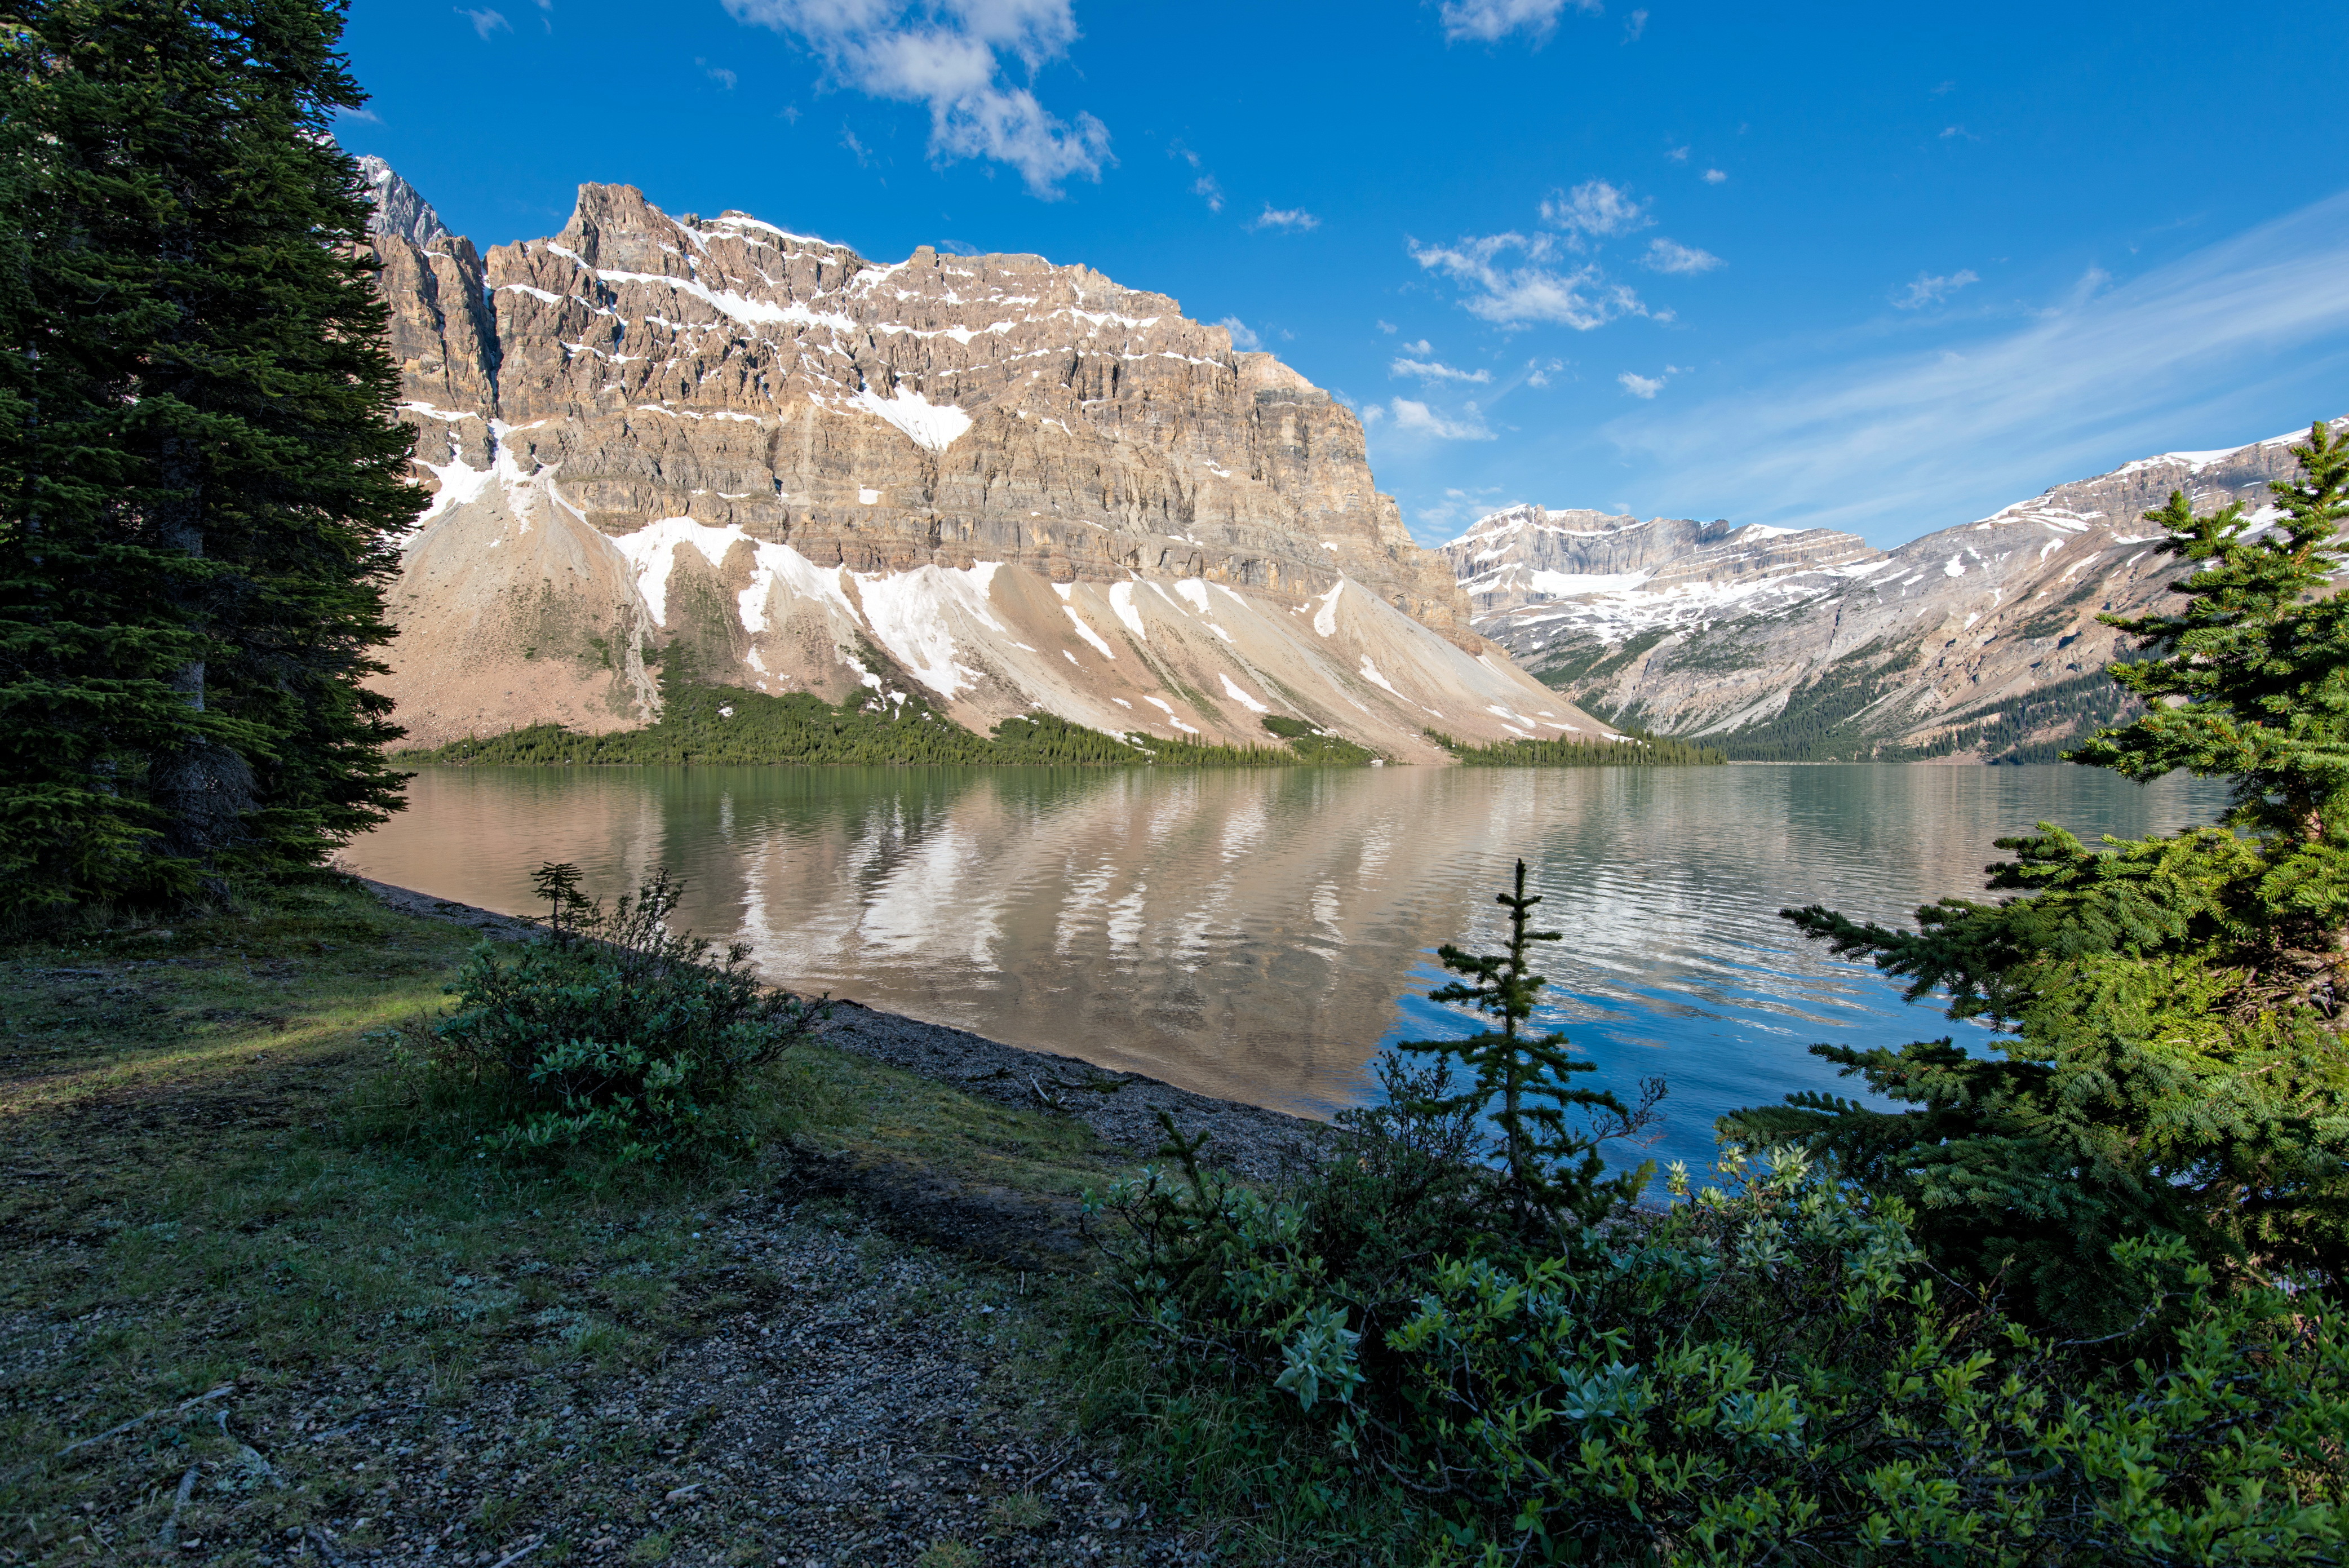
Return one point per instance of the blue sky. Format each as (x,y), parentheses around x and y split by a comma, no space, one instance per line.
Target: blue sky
(1881,269)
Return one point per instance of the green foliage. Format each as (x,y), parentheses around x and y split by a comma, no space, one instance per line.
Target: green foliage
(701,723)
(1324,747)
(2165,1052)
(1550,1171)
(200,473)
(1643,750)
(614,1032)
(1769,1371)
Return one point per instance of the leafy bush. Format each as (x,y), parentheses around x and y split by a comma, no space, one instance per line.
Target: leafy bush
(613,1032)
(1768,1371)
(1458,1340)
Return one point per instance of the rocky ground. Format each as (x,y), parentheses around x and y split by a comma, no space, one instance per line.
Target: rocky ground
(853,1357)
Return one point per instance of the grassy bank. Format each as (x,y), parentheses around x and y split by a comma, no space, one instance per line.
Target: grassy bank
(728,724)
(334,1326)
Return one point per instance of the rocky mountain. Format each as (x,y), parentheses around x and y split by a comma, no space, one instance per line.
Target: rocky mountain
(1018,484)
(1975,643)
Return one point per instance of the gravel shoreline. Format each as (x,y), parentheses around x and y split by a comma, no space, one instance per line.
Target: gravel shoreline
(1121,1108)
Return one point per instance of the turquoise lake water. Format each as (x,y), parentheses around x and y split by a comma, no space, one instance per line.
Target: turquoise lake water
(1263,935)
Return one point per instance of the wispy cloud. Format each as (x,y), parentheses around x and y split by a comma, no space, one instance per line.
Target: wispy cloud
(1641,386)
(1715,176)
(1418,419)
(1490,21)
(1958,132)
(1509,280)
(1291,220)
(1388,327)
(1927,290)
(2232,343)
(953,55)
(718,74)
(1595,210)
(1243,336)
(369,115)
(958,247)
(1633,25)
(1670,256)
(1206,186)
(485,22)
(1435,371)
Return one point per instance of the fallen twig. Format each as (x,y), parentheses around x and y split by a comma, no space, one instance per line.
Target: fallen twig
(518,1556)
(170,1530)
(135,1420)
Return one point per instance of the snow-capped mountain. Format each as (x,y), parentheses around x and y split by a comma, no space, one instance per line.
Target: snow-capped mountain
(1020,486)
(1977,642)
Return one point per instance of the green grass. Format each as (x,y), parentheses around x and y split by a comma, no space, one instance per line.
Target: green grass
(215,1172)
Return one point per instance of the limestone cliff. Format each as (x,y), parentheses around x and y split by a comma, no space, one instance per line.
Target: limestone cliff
(1019,484)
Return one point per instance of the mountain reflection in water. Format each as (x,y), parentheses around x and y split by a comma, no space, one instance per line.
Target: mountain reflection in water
(1259,935)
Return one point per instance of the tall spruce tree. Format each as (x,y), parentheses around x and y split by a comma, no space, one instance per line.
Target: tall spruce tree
(2169,1012)
(201,473)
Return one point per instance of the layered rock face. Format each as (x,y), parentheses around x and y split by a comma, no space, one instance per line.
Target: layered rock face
(1021,484)
(1973,641)
(1592,574)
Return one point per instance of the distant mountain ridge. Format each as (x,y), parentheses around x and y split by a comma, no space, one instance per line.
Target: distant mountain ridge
(1018,486)
(1978,642)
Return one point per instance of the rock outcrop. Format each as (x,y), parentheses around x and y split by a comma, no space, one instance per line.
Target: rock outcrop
(1975,642)
(1021,484)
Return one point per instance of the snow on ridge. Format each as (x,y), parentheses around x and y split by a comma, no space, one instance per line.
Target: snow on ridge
(934,427)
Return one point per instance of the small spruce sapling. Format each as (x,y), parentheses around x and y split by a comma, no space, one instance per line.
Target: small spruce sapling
(558,884)
(1549,1169)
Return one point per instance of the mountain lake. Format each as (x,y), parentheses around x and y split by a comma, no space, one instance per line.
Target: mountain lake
(1261,935)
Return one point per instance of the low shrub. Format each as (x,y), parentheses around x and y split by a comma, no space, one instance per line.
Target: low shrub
(1460,1341)
(613,1032)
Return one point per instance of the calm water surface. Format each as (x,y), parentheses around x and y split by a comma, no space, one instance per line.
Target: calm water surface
(1262,935)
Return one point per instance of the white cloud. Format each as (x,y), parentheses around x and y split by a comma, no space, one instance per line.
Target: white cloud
(1645,386)
(951,56)
(1633,25)
(1715,176)
(1927,290)
(1667,256)
(485,22)
(1206,186)
(1596,209)
(369,115)
(1243,337)
(1520,292)
(2234,342)
(958,247)
(718,74)
(1677,155)
(1489,21)
(1538,372)
(1421,419)
(1430,370)
(1421,347)
(1295,219)
(1388,327)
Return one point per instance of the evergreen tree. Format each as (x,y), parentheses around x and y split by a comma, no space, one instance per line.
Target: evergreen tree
(1550,1166)
(2167,1011)
(202,475)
